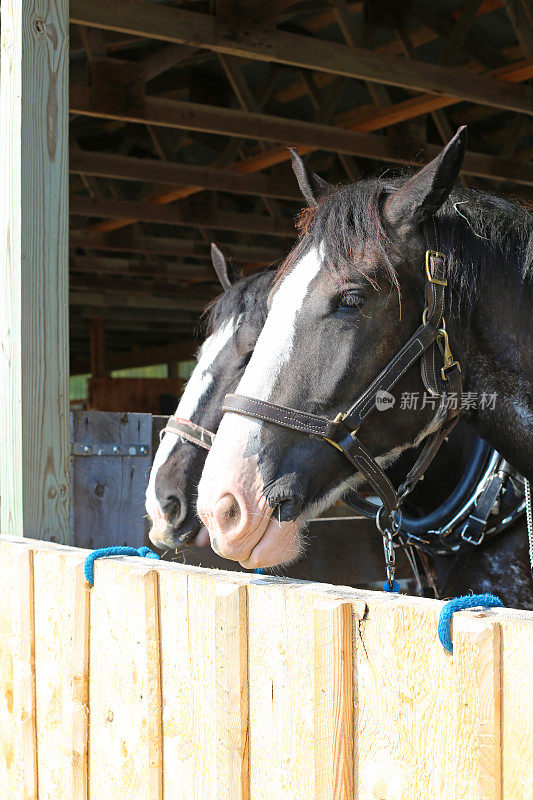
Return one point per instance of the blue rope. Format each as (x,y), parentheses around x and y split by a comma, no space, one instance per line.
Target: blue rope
(393,587)
(105,552)
(458,604)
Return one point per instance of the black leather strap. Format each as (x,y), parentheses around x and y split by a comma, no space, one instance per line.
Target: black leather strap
(473,531)
(390,375)
(280,415)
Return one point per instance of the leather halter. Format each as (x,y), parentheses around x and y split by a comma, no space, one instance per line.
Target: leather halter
(189,431)
(341,432)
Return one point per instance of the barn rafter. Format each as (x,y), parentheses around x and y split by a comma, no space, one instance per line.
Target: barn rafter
(181,116)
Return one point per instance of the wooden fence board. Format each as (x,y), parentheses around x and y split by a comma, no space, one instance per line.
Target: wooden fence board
(125,750)
(188,680)
(19,746)
(281,718)
(9,757)
(403,688)
(62,673)
(231,667)
(334,708)
(476,687)
(517,708)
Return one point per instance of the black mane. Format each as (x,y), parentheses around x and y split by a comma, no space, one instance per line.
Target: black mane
(247,296)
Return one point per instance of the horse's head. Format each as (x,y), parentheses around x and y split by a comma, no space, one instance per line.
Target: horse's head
(348,297)
(235,321)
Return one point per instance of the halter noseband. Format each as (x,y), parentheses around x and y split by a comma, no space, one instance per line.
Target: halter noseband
(341,432)
(189,431)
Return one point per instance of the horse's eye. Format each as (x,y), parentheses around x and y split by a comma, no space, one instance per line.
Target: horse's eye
(352,300)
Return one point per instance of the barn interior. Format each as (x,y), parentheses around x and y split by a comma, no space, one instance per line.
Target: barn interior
(181,115)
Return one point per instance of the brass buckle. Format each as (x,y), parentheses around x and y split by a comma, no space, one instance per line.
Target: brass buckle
(445,349)
(340,416)
(431,279)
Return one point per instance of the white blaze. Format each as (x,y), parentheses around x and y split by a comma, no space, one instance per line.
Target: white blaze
(272,351)
(274,346)
(197,387)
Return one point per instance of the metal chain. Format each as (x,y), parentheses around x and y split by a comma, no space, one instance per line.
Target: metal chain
(390,557)
(529,521)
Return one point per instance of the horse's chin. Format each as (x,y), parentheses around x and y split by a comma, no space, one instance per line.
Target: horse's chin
(280,545)
(162,535)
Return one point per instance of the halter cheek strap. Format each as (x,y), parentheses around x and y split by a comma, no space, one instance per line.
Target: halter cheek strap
(189,431)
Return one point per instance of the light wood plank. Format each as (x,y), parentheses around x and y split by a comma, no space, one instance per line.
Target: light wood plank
(62,673)
(403,696)
(231,640)
(18,742)
(34,389)
(334,709)
(476,685)
(189,686)
(517,708)
(125,748)
(10,771)
(282,697)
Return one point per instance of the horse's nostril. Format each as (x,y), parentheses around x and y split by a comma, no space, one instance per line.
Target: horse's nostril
(172,507)
(228,512)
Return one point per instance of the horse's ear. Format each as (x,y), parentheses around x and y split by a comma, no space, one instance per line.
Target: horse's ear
(221,267)
(426,191)
(311,185)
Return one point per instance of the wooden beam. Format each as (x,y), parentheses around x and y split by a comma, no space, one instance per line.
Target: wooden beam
(127,168)
(95,265)
(520,13)
(170,215)
(192,28)
(419,36)
(366,121)
(168,320)
(233,122)
(137,285)
(180,351)
(135,300)
(459,32)
(34,405)
(132,242)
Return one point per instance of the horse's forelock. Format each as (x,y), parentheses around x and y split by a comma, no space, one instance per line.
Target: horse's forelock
(344,224)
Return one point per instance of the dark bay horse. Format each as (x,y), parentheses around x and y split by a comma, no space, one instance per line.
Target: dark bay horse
(348,298)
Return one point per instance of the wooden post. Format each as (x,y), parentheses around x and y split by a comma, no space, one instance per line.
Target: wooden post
(34,396)
(476,684)
(231,663)
(334,707)
(97,350)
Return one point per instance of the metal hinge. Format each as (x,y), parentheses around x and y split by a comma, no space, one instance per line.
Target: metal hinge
(109,449)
